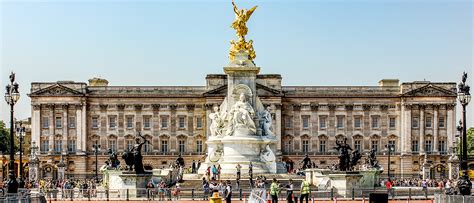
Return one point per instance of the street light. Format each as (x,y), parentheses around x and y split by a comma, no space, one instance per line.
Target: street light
(464,184)
(96,149)
(390,148)
(20,132)
(12,95)
(459,135)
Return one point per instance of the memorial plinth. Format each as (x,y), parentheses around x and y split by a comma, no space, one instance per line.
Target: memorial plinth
(344,182)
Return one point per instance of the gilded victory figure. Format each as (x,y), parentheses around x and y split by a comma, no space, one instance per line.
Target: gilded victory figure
(240,26)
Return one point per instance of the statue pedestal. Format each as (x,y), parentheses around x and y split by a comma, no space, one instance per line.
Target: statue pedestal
(121,181)
(241,150)
(344,182)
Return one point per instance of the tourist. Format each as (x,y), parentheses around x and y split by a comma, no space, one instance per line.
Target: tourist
(289,191)
(208,173)
(205,188)
(306,162)
(198,165)
(238,167)
(305,191)
(149,189)
(219,172)
(388,185)
(228,192)
(176,191)
(251,170)
(425,188)
(193,167)
(161,191)
(214,172)
(274,190)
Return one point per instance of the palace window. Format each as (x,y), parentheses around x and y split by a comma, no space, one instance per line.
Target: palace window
(44,146)
(414,122)
(95,122)
(146,122)
(357,122)
(305,146)
(45,122)
(442,146)
(72,122)
(340,122)
(129,144)
(181,146)
(181,122)
(199,122)
(428,146)
(71,145)
(414,146)
(305,122)
(199,146)
(112,122)
(58,145)
(113,145)
(59,122)
(288,146)
(147,147)
(322,122)
(164,121)
(164,146)
(322,146)
(392,123)
(375,121)
(129,121)
(441,122)
(357,145)
(288,122)
(375,145)
(428,122)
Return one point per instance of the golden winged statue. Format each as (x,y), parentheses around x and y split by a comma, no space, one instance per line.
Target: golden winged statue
(240,27)
(240,22)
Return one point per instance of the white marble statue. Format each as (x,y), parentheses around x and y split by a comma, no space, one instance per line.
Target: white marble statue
(266,119)
(216,122)
(241,116)
(266,154)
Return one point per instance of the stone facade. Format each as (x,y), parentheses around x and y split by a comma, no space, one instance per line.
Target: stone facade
(417,117)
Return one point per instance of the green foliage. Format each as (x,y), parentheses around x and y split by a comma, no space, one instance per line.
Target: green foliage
(5,139)
(470,142)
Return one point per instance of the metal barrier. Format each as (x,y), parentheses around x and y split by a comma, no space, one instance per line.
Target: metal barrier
(442,198)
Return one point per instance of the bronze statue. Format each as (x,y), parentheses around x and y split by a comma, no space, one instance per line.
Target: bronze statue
(134,158)
(113,161)
(344,156)
(372,159)
(240,27)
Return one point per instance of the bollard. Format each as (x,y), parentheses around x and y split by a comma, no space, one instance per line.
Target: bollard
(353,193)
(107,194)
(192,194)
(332,193)
(240,194)
(127,195)
(409,193)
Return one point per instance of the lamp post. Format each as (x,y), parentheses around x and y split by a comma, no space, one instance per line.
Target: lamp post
(96,148)
(464,184)
(390,148)
(12,95)
(459,135)
(20,132)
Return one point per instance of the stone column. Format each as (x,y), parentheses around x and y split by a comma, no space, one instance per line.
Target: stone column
(104,128)
(65,128)
(190,127)
(173,141)
(422,129)
(156,126)
(277,128)
(79,125)
(84,127)
(138,117)
(435,129)
(36,124)
(450,124)
(297,127)
(348,126)
(51,128)
(366,145)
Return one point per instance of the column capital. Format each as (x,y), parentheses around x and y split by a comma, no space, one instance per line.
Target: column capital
(173,106)
(156,107)
(121,107)
(450,106)
(36,107)
(366,107)
(384,107)
(278,106)
(349,107)
(103,107)
(190,107)
(296,107)
(138,107)
(332,107)
(209,106)
(65,106)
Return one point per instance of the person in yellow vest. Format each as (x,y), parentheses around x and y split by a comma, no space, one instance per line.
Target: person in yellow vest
(274,190)
(305,190)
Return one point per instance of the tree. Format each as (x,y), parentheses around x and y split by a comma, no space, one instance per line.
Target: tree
(470,142)
(5,140)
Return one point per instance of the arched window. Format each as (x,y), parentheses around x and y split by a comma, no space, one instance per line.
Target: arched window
(164,142)
(358,143)
(148,147)
(323,141)
(305,142)
(112,143)
(288,140)
(182,144)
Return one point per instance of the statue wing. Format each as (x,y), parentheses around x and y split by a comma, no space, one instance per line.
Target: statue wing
(249,12)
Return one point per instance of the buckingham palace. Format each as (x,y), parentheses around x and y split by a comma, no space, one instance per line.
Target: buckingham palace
(418,118)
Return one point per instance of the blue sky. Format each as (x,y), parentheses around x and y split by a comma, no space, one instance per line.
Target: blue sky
(179,42)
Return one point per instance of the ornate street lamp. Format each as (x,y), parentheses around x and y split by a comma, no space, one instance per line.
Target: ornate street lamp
(20,132)
(390,148)
(96,149)
(12,95)
(464,184)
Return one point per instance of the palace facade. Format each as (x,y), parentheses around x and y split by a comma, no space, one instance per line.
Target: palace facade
(418,118)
